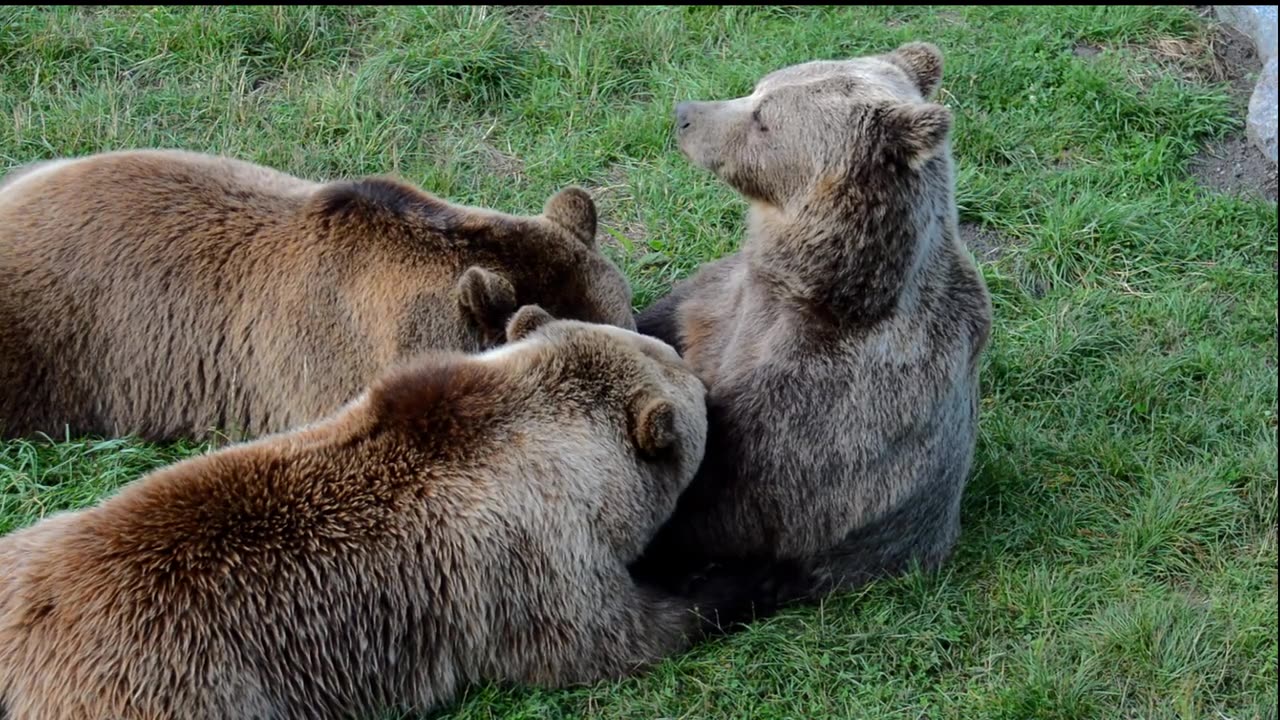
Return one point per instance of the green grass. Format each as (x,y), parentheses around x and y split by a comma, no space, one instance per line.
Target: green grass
(1118,557)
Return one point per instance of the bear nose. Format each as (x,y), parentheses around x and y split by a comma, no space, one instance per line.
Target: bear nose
(683,113)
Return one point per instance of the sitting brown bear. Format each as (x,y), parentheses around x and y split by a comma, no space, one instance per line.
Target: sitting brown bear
(170,294)
(468,519)
(841,345)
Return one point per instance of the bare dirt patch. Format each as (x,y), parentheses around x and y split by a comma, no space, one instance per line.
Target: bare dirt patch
(479,142)
(986,244)
(525,21)
(1086,50)
(500,163)
(1234,166)
(1239,60)
(990,246)
(525,17)
(1212,56)
(1216,54)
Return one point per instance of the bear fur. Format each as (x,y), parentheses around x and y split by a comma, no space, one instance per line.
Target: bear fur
(172,294)
(841,344)
(468,519)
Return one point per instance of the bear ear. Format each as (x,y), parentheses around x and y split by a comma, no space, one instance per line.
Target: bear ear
(487,297)
(919,132)
(653,424)
(922,62)
(526,320)
(575,211)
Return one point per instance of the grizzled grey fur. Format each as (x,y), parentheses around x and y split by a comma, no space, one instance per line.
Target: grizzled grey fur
(841,345)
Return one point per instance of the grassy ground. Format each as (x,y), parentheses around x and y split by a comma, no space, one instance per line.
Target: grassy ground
(1119,548)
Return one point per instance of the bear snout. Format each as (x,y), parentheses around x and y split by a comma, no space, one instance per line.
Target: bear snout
(684,116)
(691,132)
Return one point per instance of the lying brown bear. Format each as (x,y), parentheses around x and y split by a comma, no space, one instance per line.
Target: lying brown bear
(468,519)
(171,294)
(841,346)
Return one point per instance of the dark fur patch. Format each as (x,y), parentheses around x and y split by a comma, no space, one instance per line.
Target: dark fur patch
(660,320)
(908,533)
(457,395)
(379,196)
(728,595)
(343,198)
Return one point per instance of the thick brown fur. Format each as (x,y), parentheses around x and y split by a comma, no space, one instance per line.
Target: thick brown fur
(468,519)
(841,345)
(172,294)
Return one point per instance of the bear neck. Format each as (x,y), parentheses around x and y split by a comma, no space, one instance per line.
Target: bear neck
(852,252)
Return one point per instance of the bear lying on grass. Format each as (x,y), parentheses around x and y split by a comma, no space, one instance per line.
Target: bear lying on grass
(841,345)
(468,519)
(171,294)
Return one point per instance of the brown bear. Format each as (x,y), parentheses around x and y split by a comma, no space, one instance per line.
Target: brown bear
(841,345)
(173,294)
(468,519)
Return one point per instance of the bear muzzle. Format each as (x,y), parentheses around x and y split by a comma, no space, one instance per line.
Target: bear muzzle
(684,116)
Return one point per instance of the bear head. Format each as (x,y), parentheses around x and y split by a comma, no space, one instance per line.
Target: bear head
(646,403)
(555,263)
(497,261)
(807,127)
(847,167)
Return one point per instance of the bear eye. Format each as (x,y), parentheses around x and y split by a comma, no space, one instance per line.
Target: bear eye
(755,117)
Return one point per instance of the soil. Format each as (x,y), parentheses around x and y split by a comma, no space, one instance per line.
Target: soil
(1234,165)
(1086,50)
(987,245)
(1240,62)
(526,20)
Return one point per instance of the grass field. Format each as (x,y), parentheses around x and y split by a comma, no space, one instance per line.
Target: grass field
(1118,557)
